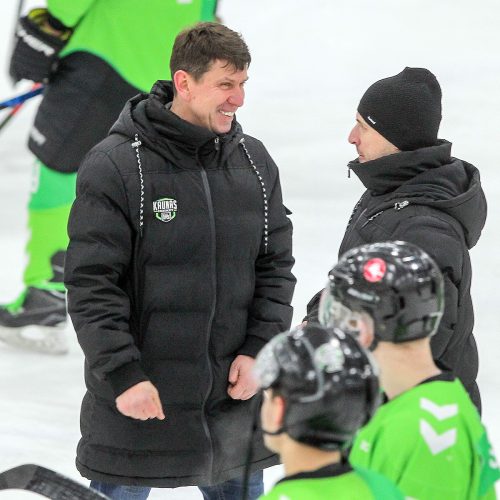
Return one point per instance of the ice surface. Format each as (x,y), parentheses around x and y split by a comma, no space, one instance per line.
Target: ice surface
(311,63)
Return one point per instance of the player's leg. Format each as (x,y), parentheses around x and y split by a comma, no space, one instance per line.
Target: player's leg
(37,318)
(233,489)
(120,492)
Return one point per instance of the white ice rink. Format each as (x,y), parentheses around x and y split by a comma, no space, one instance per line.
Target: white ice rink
(312,61)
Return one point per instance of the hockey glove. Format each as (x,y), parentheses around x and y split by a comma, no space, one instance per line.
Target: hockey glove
(38,43)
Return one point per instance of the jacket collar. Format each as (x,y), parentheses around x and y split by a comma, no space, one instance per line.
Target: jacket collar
(167,123)
(389,172)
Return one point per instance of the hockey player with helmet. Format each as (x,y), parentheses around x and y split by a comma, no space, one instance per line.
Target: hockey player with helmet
(320,387)
(97,55)
(428,438)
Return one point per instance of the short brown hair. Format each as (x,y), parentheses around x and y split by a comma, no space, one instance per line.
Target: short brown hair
(196,48)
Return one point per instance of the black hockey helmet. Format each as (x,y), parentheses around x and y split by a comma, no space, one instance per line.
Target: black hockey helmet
(396,283)
(328,381)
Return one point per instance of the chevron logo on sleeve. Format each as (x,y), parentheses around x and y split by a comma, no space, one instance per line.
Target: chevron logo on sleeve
(437,442)
(440,412)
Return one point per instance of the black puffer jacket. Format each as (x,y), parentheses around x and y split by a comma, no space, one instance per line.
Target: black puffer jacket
(435,201)
(179,260)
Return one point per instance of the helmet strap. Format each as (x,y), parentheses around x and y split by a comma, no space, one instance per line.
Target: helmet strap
(281,430)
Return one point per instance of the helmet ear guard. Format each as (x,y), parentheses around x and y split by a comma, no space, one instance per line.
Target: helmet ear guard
(328,381)
(396,283)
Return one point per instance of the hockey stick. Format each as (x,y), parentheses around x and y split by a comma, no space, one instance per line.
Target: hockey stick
(10,115)
(248,462)
(47,483)
(21,98)
(14,110)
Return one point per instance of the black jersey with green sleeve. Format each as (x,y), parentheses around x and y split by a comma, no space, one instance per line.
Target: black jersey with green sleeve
(118,49)
(431,443)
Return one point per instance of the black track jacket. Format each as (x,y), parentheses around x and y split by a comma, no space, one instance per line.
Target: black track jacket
(175,266)
(435,201)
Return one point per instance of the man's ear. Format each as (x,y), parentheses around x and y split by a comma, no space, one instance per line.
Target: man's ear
(279,405)
(366,331)
(182,81)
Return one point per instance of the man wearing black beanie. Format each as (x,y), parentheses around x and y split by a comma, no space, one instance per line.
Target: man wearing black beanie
(404,109)
(417,192)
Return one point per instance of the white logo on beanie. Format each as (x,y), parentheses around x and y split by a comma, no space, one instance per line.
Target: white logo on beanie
(371,120)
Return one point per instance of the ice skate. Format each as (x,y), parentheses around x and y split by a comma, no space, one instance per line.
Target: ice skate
(36,321)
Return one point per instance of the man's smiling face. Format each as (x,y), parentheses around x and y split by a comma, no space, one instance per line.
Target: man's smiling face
(215,97)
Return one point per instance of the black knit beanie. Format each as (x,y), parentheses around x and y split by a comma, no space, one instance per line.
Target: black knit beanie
(404,108)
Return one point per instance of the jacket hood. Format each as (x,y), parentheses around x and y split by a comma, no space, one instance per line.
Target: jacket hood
(149,116)
(148,121)
(429,176)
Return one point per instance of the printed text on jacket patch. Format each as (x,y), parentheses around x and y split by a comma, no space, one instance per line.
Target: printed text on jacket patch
(165,209)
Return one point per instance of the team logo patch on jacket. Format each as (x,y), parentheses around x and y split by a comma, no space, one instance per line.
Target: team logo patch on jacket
(165,209)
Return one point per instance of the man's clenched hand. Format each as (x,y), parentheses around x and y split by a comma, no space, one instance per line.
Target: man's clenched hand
(141,401)
(242,384)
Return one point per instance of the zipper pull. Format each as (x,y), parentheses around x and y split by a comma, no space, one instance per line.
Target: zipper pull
(400,205)
(137,142)
(217,146)
(348,171)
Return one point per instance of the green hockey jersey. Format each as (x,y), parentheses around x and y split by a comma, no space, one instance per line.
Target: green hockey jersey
(337,481)
(140,55)
(431,443)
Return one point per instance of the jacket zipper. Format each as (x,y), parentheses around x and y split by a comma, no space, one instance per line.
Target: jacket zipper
(372,217)
(208,196)
(401,204)
(397,206)
(354,210)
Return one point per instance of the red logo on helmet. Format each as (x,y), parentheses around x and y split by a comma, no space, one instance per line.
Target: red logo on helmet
(374,270)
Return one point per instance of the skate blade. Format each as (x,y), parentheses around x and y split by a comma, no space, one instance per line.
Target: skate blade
(45,339)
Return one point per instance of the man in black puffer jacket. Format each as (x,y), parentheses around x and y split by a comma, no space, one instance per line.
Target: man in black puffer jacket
(178,272)
(417,192)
